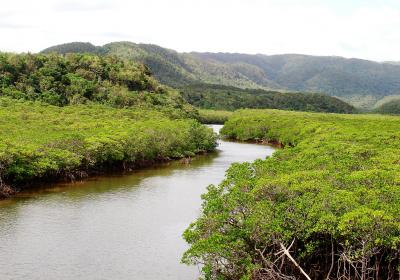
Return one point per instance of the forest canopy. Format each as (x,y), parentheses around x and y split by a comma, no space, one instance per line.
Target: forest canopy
(84,78)
(218,97)
(360,82)
(64,116)
(331,197)
(46,142)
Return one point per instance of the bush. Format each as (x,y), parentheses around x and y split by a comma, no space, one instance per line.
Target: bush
(333,193)
(214,116)
(39,141)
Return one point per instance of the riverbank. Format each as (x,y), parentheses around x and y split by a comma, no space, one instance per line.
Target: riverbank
(208,116)
(331,196)
(41,143)
(117,167)
(114,226)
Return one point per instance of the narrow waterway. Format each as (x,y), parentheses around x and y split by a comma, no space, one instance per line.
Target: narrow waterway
(126,226)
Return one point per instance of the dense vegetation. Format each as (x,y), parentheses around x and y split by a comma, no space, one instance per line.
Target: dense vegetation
(69,115)
(166,64)
(328,202)
(360,82)
(84,78)
(391,108)
(74,47)
(214,116)
(39,141)
(220,97)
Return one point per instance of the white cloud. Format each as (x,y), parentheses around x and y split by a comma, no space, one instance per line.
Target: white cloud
(81,6)
(365,29)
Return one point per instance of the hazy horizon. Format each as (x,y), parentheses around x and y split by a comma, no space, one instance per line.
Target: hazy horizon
(360,29)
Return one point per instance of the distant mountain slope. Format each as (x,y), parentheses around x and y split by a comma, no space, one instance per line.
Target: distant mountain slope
(360,82)
(392,107)
(73,47)
(221,97)
(393,62)
(167,65)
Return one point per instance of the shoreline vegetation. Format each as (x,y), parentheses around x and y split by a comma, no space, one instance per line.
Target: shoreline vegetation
(68,116)
(208,116)
(41,142)
(327,206)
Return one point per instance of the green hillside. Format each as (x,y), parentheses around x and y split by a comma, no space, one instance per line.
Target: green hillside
(166,65)
(219,97)
(81,47)
(392,108)
(360,82)
(85,78)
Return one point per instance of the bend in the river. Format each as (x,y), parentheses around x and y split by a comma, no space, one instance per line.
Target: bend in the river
(113,227)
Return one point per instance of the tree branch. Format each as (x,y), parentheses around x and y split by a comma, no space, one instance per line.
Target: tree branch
(286,252)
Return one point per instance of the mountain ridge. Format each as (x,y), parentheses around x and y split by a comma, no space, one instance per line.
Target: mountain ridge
(357,81)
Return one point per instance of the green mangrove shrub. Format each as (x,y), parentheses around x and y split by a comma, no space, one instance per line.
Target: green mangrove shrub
(41,141)
(327,206)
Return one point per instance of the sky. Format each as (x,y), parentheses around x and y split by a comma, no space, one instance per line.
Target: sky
(367,29)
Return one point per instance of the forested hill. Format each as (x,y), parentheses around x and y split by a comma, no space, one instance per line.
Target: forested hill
(391,107)
(361,82)
(219,97)
(167,65)
(74,47)
(85,78)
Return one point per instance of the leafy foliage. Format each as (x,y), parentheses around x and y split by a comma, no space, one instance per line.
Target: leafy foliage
(39,141)
(167,65)
(74,47)
(214,116)
(360,82)
(220,97)
(85,78)
(333,192)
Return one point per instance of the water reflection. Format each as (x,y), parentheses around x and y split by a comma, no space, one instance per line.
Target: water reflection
(112,227)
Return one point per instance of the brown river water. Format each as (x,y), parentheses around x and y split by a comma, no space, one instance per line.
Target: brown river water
(121,226)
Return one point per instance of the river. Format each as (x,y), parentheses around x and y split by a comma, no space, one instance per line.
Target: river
(121,226)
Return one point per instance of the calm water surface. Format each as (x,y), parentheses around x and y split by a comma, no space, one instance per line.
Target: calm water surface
(113,227)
